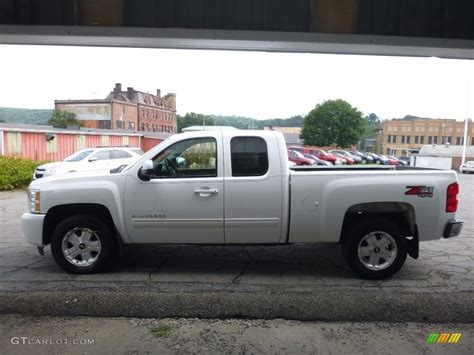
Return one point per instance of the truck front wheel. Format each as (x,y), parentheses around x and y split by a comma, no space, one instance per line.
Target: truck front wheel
(82,244)
(375,249)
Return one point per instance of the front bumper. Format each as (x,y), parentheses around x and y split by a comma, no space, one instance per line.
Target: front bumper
(453,229)
(32,225)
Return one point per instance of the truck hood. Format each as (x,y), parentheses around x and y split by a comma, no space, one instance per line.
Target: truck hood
(71,177)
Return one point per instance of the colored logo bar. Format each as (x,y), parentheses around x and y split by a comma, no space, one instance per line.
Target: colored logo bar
(445,338)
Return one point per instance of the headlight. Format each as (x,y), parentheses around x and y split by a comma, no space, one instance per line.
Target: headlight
(34,201)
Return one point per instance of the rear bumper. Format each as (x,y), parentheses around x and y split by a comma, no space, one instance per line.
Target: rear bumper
(453,229)
(32,225)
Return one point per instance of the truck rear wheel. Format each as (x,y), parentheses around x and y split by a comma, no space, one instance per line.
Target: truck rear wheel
(82,244)
(375,249)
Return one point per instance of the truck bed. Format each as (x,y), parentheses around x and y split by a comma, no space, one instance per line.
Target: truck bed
(356,168)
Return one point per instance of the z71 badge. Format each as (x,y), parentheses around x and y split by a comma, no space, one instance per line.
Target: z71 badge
(420,191)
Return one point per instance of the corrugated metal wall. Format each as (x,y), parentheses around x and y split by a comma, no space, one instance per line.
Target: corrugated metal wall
(34,145)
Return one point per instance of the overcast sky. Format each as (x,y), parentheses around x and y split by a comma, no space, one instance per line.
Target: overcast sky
(253,84)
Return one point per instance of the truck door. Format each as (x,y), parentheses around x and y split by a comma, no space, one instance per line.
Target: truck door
(183,201)
(253,189)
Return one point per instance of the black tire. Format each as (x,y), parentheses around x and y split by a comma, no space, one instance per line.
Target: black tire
(352,240)
(101,231)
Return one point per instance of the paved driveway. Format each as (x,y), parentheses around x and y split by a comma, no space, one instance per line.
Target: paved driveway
(296,282)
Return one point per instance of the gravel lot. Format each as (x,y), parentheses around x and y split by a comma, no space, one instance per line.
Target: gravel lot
(291,282)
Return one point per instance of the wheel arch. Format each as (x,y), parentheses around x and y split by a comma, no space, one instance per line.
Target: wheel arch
(403,214)
(58,213)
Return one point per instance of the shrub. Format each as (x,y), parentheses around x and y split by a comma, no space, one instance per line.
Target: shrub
(16,172)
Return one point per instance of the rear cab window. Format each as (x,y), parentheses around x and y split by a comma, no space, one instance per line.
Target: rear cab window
(249,156)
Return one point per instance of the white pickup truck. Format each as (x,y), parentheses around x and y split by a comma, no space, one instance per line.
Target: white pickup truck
(235,187)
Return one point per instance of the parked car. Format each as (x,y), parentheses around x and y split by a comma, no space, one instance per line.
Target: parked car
(404,159)
(178,191)
(317,161)
(90,159)
(319,153)
(366,159)
(378,159)
(399,162)
(390,160)
(467,167)
(298,158)
(355,158)
(346,159)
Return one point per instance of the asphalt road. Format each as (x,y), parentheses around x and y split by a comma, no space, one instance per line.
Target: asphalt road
(301,282)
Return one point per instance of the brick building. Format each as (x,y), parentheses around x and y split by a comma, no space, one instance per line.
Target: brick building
(402,137)
(129,110)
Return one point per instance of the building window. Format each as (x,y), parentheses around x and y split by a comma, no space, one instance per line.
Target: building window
(123,110)
(408,139)
(430,140)
(449,140)
(435,139)
(143,126)
(403,139)
(417,139)
(120,124)
(422,139)
(459,140)
(472,141)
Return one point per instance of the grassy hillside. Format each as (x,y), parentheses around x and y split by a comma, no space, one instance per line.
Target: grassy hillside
(24,115)
(252,123)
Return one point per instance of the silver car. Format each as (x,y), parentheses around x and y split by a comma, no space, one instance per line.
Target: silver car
(467,167)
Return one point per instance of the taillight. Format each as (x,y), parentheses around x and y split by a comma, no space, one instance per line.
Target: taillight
(451,197)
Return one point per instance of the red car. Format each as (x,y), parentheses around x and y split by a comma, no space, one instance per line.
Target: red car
(298,158)
(391,160)
(348,160)
(319,153)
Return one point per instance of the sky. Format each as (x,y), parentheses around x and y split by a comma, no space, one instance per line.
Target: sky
(260,85)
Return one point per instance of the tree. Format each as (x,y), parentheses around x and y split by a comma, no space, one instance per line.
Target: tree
(373,119)
(333,122)
(194,119)
(63,119)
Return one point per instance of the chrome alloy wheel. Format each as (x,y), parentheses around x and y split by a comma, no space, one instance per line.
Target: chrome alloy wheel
(81,246)
(377,250)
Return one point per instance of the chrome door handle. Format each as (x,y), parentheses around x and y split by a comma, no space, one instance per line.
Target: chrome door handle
(206,192)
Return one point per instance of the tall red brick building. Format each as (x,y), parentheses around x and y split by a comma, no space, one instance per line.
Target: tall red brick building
(129,110)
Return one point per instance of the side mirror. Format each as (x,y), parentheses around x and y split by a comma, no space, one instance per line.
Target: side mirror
(180,162)
(147,169)
(92,159)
